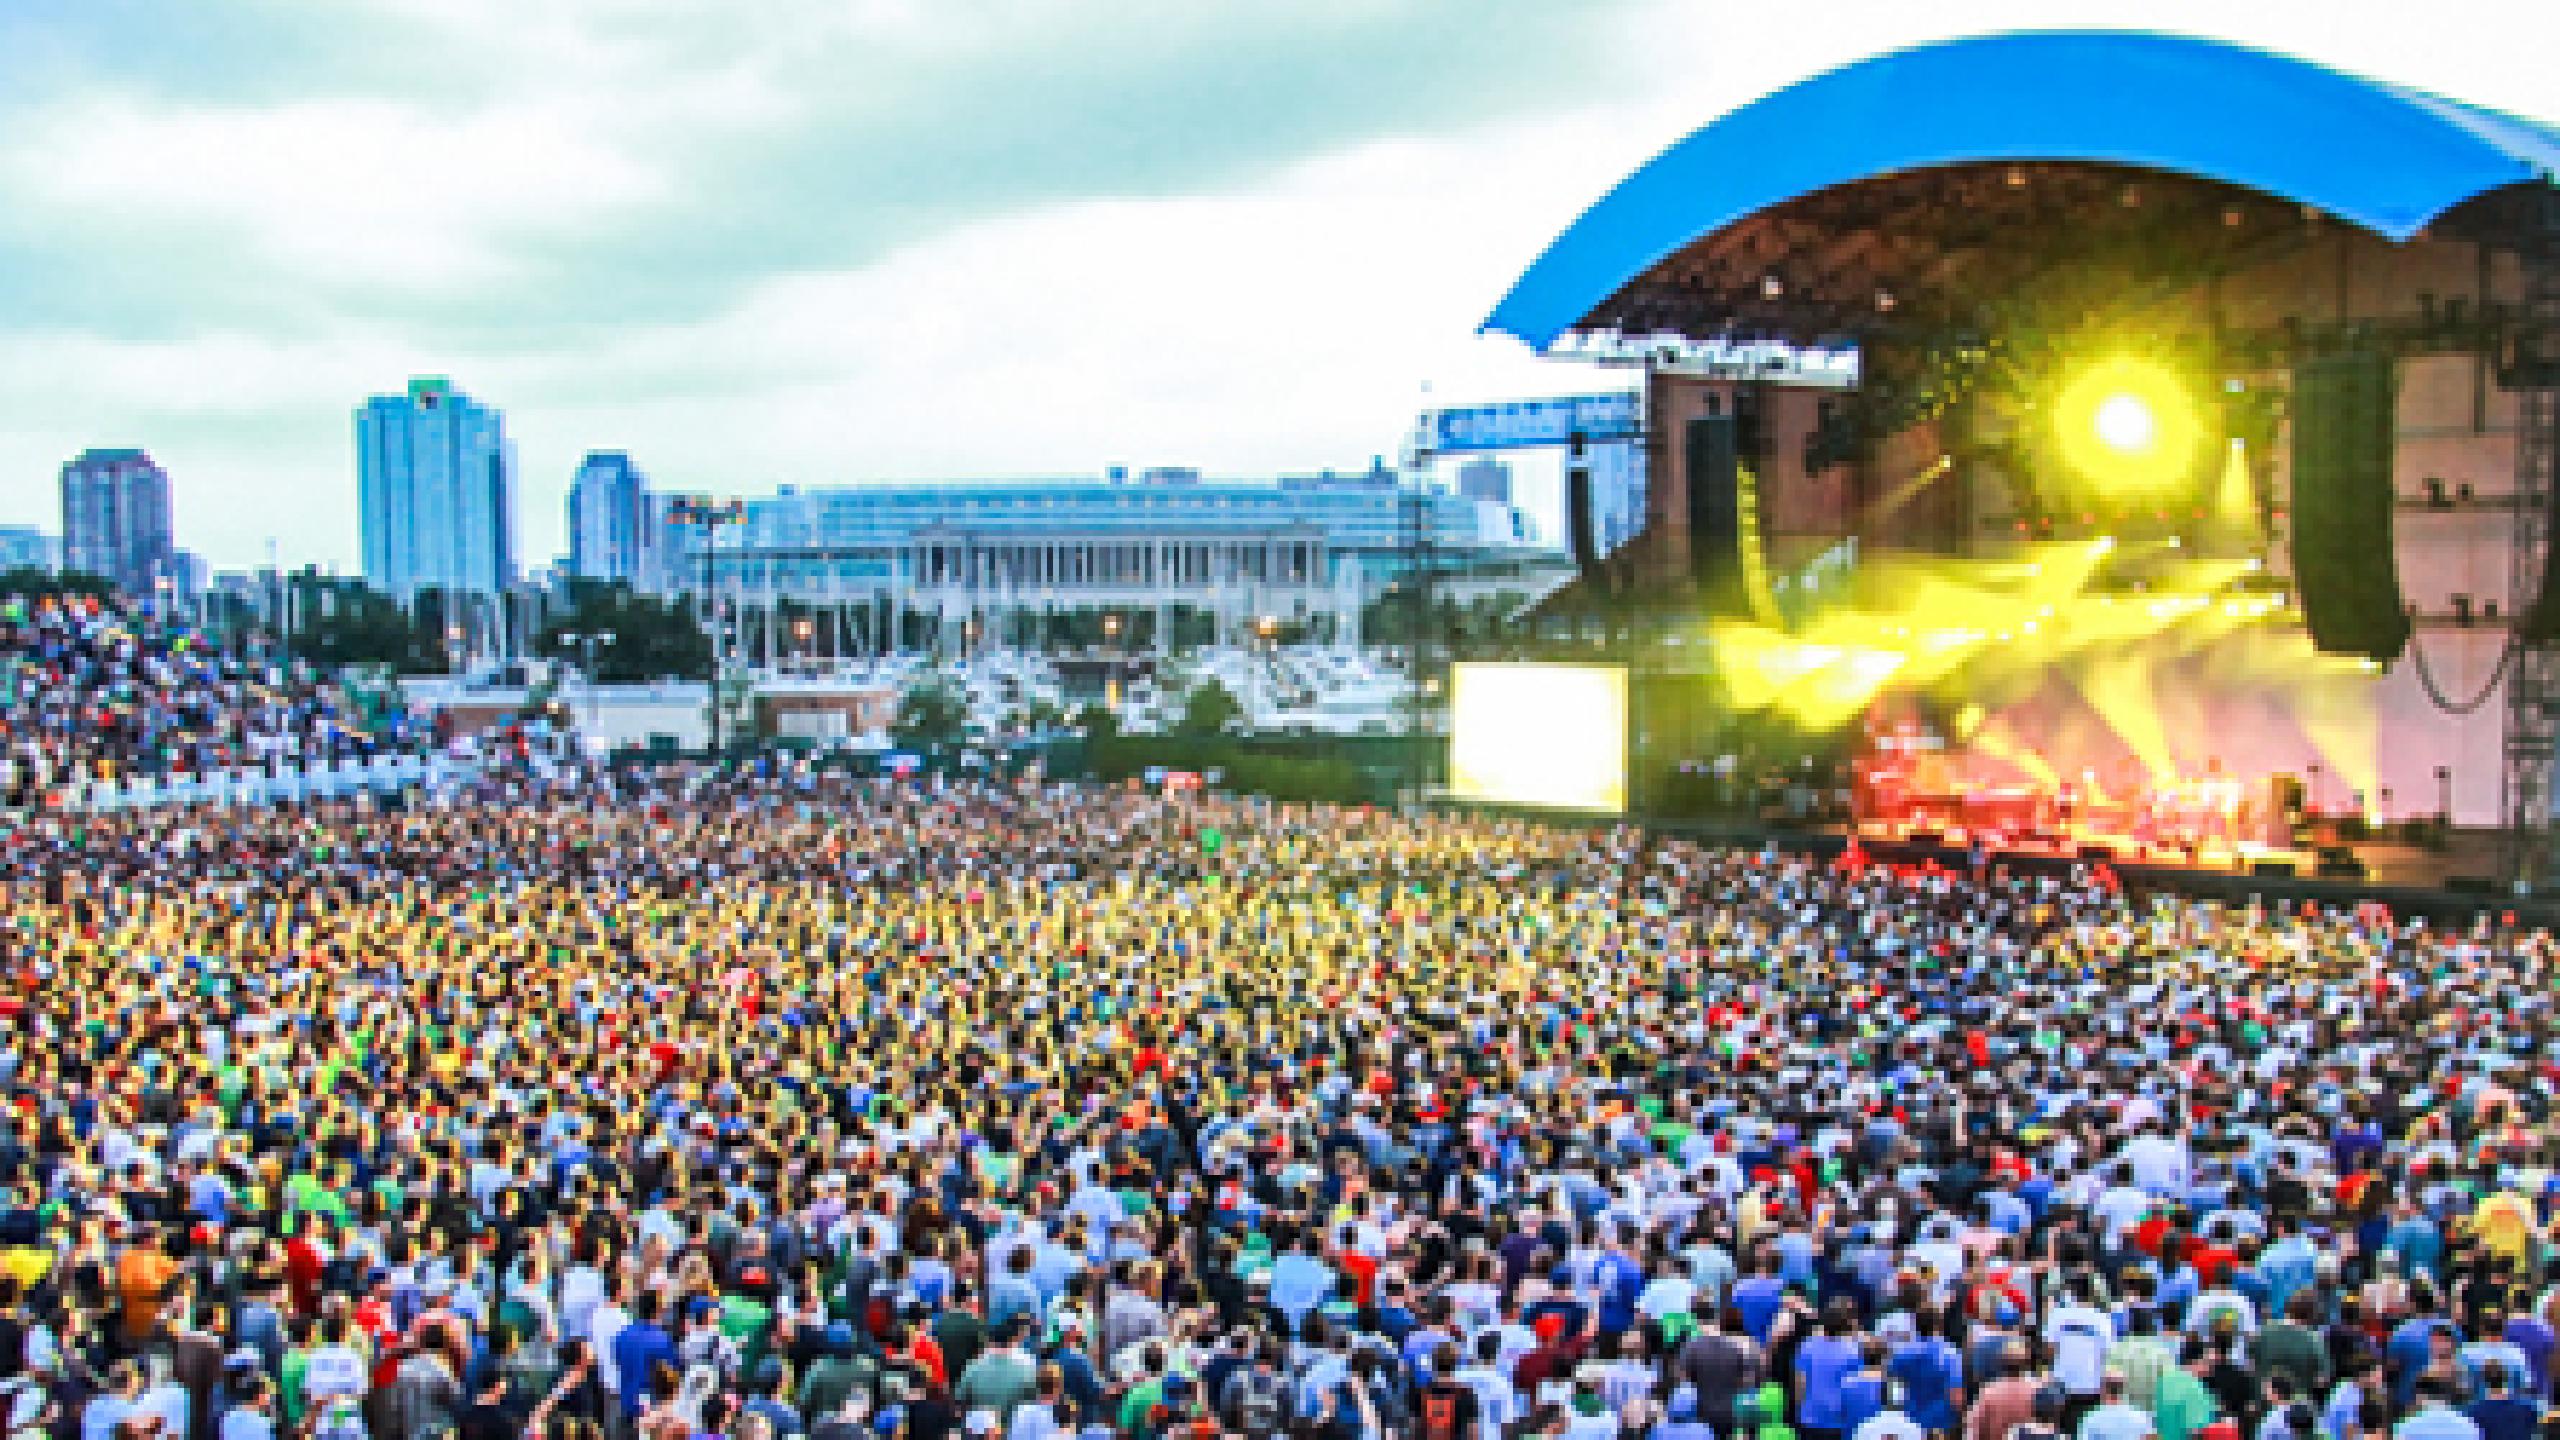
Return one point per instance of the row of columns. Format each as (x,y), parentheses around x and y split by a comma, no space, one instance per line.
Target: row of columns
(977,591)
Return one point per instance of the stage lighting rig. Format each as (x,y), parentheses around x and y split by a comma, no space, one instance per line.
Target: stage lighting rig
(2129,427)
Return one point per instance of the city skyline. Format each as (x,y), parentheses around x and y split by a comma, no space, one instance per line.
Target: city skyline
(814,250)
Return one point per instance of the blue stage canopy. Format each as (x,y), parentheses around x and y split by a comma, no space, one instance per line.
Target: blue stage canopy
(2383,157)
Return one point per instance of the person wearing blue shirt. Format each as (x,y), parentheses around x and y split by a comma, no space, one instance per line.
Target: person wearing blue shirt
(1299,1283)
(1013,1293)
(1393,1317)
(2498,1412)
(2435,1419)
(253,1416)
(1076,1374)
(1931,1374)
(1621,1281)
(110,1407)
(1759,1298)
(2288,1265)
(638,1351)
(2419,1244)
(2528,1333)
(2405,1354)
(1824,1363)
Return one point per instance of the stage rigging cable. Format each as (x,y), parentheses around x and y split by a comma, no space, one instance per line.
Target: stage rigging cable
(2489,687)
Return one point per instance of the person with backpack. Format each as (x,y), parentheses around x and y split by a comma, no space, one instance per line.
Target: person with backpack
(1447,1408)
(1257,1401)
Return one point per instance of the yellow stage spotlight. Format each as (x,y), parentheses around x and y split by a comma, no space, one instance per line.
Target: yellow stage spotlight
(2128,424)
(2125,424)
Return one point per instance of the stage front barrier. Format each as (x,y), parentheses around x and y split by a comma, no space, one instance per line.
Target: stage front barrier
(256,786)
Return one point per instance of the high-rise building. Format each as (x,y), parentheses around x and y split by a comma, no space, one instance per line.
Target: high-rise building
(24,547)
(436,481)
(609,519)
(1617,491)
(1485,478)
(115,519)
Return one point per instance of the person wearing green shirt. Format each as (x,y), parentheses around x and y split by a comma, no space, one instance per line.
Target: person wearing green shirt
(1141,1402)
(2182,1405)
(2292,1349)
(1004,1377)
(747,1322)
(289,1387)
(1762,1416)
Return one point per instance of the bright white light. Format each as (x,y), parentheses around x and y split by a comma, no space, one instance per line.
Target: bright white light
(1548,735)
(2125,424)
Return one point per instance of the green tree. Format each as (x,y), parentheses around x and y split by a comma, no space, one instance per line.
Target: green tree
(346,622)
(650,638)
(1208,709)
(932,716)
(34,584)
(443,626)
(1099,721)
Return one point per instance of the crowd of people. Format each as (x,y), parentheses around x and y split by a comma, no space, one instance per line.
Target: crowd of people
(757,1107)
(101,688)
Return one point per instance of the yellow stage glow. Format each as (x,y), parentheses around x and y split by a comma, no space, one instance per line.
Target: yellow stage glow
(2127,424)
(1547,735)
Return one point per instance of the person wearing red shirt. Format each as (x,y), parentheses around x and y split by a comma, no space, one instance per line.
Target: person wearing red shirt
(2213,1262)
(2153,1232)
(913,1343)
(302,1266)
(1363,1269)
(1555,1356)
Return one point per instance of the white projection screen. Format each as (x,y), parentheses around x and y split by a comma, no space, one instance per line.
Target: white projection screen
(1545,735)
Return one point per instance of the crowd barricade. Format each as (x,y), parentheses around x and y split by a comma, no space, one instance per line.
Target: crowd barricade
(266,785)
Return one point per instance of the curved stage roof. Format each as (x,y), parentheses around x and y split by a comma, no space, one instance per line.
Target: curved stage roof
(2382,157)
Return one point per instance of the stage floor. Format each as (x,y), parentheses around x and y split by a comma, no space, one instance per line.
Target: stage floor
(2467,861)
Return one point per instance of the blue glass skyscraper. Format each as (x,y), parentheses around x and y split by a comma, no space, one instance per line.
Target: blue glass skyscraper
(436,480)
(608,519)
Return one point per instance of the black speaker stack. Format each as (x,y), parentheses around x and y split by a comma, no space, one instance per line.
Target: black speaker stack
(2344,564)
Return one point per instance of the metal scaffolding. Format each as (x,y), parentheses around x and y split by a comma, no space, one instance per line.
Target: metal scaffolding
(2532,743)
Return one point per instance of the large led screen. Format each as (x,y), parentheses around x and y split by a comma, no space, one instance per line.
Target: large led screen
(1546,735)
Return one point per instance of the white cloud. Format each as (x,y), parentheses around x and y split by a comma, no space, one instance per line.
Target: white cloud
(340,191)
(1255,317)
(1288,328)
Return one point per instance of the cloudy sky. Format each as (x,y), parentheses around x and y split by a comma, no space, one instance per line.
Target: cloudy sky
(822,241)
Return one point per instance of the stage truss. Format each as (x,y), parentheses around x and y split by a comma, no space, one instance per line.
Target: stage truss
(2532,743)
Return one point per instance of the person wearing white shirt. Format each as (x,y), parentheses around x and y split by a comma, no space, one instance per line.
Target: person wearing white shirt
(2435,1419)
(1036,1421)
(110,1407)
(605,1323)
(2115,1419)
(1666,1295)
(2214,1304)
(1497,1399)
(2157,1163)
(1890,1423)
(2080,1336)
(2120,1208)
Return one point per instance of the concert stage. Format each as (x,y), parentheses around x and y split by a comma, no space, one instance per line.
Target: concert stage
(2186,472)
